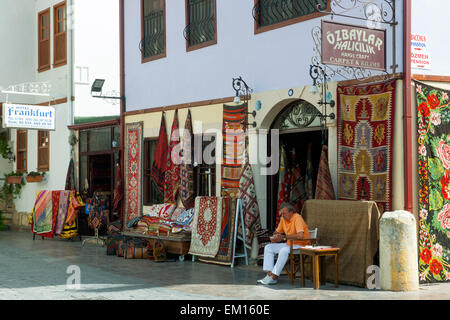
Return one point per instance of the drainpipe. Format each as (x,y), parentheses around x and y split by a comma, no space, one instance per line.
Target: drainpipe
(70,61)
(407,106)
(122,100)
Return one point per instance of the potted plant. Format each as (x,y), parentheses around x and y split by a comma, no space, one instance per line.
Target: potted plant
(35,176)
(14,178)
(12,188)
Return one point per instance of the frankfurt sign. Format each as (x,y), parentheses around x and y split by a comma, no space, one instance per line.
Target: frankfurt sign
(28,117)
(353,46)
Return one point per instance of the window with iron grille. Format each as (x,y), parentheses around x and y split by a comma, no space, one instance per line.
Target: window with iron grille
(153,29)
(60,35)
(273,12)
(200,28)
(22,143)
(43,151)
(44,40)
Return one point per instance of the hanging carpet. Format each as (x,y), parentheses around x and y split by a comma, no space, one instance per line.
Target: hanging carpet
(206,236)
(63,207)
(118,189)
(365,133)
(70,177)
(187,191)
(324,185)
(133,171)
(224,255)
(233,131)
(309,185)
(433,123)
(250,208)
(42,214)
(172,174)
(298,193)
(159,165)
(283,183)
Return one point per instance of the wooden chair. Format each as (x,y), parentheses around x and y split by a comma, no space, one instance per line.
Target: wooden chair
(294,264)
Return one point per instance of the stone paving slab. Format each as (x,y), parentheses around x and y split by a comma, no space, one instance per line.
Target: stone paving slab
(38,270)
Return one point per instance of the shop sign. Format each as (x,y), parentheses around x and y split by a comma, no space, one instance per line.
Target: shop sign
(353,46)
(420,56)
(22,116)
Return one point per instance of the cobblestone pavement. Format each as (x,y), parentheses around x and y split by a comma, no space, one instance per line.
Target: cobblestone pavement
(38,270)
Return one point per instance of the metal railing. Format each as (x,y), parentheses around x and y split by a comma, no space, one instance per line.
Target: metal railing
(153,42)
(269,12)
(201,26)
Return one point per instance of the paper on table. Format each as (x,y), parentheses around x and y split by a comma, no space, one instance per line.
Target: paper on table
(317,247)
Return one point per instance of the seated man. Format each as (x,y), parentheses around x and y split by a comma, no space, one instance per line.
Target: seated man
(292,227)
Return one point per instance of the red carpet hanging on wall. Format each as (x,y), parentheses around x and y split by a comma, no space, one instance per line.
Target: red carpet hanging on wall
(234,127)
(159,165)
(433,117)
(133,171)
(365,133)
(172,175)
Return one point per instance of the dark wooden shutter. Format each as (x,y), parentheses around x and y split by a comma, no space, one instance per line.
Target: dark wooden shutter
(44,40)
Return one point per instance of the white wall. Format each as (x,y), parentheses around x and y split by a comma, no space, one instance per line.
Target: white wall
(431,19)
(273,60)
(96,47)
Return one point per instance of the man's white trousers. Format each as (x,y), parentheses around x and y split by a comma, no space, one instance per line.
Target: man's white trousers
(270,250)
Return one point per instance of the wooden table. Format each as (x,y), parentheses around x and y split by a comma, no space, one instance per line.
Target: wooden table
(317,255)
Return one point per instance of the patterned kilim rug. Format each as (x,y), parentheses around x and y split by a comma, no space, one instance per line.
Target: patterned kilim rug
(43,215)
(172,176)
(324,185)
(250,208)
(187,191)
(365,133)
(433,120)
(234,126)
(205,239)
(133,171)
(224,255)
(62,211)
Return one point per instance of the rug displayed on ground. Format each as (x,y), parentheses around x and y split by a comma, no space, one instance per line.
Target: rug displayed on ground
(365,135)
(206,227)
(233,131)
(133,171)
(433,123)
(224,255)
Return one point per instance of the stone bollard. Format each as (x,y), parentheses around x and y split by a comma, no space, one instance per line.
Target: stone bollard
(399,269)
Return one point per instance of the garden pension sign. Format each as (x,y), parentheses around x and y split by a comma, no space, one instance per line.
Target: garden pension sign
(353,46)
(28,117)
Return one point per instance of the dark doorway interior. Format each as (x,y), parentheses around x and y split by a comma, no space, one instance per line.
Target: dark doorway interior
(299,142)
(100,173)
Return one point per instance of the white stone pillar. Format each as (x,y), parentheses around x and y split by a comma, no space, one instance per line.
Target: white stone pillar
(398,252)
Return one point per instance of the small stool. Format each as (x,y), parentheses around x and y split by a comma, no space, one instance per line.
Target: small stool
(318,262)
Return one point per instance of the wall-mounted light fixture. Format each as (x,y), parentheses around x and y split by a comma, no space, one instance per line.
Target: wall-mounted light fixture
(241,88)
(317,72)
(96,90)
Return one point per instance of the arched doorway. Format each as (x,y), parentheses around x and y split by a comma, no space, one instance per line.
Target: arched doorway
(302,135)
